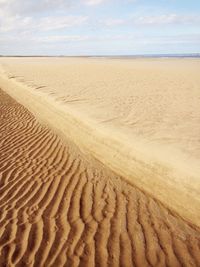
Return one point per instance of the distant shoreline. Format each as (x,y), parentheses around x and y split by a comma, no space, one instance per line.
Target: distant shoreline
(189,55)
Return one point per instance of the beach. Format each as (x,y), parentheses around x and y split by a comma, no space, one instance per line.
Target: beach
(100,162)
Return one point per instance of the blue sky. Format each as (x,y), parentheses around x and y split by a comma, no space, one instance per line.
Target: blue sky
(99,27)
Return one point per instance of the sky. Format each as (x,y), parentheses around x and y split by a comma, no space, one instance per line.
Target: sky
(99,27)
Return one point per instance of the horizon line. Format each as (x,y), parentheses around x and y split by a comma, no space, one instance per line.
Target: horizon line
(194,54)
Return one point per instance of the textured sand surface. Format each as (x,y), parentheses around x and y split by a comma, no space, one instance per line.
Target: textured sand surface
(59,208)
(141,118)
(155,99)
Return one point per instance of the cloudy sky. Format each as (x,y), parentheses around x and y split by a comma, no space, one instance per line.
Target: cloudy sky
(99,27)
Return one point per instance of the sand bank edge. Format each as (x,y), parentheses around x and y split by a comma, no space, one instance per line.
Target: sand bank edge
(179,193)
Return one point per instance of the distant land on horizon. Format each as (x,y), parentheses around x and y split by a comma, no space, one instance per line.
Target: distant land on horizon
(193,55)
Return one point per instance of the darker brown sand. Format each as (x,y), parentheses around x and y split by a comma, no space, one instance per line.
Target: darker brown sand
(59,208)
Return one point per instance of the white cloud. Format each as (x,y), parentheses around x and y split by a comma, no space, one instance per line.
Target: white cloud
(102,45)
(98,2)
(167,19)
(33,24)
(30,15)
(93,2)
(153,20)
(114,22)
(3,2)
(10,23)
(20,23)
(134,38)
(25,7)
(60,38)
(55,23)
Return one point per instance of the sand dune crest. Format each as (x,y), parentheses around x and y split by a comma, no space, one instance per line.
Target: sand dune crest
(58,209)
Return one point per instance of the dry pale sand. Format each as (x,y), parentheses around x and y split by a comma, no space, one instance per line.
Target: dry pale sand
(59,208)
(140,117)
(64,196)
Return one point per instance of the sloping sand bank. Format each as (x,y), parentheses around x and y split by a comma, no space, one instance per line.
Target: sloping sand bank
(166,178)
(59,208)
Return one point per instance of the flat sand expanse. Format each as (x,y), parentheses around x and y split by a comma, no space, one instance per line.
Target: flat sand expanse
(140,118)
(156,100)
(60,208)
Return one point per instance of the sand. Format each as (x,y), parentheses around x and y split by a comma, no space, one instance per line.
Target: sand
(102,168)
(59,208)
(138,117)
(156,100)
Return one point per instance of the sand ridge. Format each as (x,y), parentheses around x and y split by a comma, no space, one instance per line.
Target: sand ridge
(58,209)
(157,99)
(137,162)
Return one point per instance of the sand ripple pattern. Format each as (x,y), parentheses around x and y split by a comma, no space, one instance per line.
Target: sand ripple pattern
(59,210)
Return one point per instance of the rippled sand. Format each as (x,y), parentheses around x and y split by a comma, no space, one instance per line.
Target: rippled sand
(99,162)
(59,208)
(140,117)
